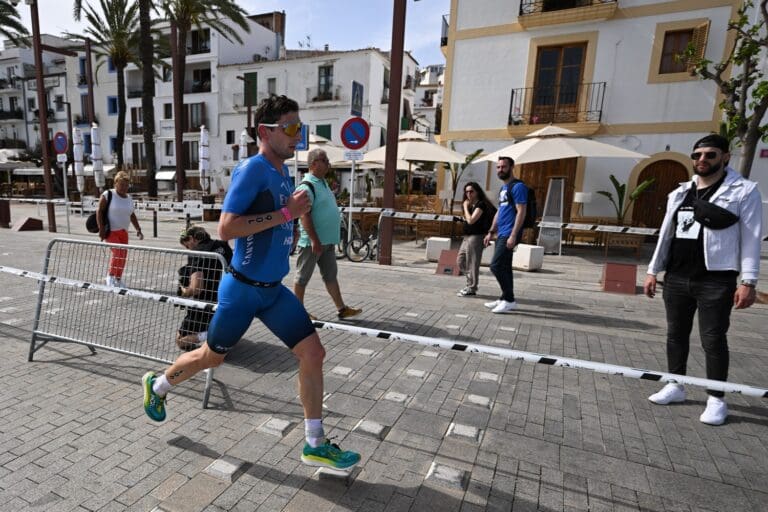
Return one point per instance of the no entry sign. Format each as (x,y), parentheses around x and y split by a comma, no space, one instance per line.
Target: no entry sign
(355,132)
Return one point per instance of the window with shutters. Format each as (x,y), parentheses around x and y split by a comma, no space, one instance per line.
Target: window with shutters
(671,43)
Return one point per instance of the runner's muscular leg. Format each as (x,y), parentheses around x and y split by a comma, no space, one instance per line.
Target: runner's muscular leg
(310,353)
(190,363)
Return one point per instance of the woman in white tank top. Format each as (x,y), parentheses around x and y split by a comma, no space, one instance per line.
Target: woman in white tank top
(119,214)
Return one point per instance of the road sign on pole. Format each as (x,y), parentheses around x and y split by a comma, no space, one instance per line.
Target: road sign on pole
(356,108)
(303,145)
(60,142)
(355,133)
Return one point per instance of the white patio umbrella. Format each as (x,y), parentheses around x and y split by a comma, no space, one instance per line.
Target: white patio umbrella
(204,161)
(77,150)
(334,153)
(412,147)
(245,139)
(96,157)
(555,143)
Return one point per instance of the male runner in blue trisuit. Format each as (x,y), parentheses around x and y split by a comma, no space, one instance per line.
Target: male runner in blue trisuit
(258,213)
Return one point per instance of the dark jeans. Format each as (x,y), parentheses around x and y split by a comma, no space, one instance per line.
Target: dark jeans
(713,297)
(501,266)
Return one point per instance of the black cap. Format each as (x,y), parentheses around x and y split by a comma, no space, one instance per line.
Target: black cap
(713,140)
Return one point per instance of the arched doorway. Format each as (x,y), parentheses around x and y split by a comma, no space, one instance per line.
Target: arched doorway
(649,208)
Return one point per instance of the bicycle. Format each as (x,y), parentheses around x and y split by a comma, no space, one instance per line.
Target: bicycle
(360,249)
(341,247)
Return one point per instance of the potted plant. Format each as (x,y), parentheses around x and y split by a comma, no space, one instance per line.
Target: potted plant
(621,195)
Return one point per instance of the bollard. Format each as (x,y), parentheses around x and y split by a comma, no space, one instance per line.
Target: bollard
(154,223)
(5,213)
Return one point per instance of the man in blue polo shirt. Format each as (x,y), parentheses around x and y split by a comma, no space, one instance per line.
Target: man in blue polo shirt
(508,225)
(258,212)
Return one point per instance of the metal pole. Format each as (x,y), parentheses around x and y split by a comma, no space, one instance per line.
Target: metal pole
(42,107)
(71,159)
(89,80)
(393,128)
(351,201)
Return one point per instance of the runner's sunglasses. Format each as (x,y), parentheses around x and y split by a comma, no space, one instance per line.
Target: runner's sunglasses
(709,155)
(290,129)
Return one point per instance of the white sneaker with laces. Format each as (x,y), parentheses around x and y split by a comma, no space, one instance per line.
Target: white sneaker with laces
(716,411)
(669,394)
(504,307)
(492,304)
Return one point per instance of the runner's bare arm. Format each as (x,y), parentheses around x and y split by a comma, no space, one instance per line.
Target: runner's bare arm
(237,226)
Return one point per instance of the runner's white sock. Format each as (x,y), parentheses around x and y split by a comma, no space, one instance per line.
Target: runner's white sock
(313,431)
(161,386)
(202,336)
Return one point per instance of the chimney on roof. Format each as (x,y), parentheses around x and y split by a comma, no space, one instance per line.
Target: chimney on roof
(326,47)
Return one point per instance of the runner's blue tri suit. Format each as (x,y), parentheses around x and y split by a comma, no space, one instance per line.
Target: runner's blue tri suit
(259,264)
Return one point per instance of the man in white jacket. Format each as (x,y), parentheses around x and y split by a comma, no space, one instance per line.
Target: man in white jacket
(702,250)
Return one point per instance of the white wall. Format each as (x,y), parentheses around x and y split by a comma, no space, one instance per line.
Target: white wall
(484,13)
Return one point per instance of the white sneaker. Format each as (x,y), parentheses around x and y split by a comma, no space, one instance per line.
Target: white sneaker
(669,394)
(504,307)
(111,281)
(716,411)
(119,283)
(492,304)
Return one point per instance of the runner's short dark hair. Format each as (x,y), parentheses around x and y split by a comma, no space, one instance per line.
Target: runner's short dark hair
(273,108)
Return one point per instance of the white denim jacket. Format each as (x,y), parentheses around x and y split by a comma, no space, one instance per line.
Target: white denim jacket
(734,248)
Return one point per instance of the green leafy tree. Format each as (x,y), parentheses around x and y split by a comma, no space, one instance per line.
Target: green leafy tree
(219,15)
(621,196)
(740,79)
(10,24)
(457,171)
(115,34)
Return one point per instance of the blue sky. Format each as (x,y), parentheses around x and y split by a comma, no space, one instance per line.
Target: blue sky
(342,24)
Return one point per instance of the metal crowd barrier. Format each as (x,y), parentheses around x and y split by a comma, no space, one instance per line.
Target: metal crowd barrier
(77,306)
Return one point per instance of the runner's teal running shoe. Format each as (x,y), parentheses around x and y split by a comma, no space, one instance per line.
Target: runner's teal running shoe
(329,455)
(154,404)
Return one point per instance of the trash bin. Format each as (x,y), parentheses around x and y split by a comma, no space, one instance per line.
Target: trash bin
(210,215)
(5,213)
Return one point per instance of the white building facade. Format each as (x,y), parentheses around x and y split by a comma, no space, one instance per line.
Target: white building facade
(605,69)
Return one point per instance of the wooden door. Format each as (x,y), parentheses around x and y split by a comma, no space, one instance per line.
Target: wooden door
(559,71)
(649,208)
(536,175)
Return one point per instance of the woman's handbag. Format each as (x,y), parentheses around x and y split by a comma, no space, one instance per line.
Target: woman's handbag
(92,225)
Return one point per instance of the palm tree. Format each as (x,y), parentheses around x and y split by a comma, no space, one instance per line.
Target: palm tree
(10,23)
(115,35)
(183,15)
(147,58)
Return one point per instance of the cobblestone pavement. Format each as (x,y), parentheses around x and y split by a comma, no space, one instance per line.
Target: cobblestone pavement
(438,430)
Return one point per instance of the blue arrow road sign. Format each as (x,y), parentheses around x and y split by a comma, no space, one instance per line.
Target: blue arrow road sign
(303,145)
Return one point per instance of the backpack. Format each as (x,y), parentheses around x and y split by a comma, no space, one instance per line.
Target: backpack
(92,225)
(530,210)
(489,212)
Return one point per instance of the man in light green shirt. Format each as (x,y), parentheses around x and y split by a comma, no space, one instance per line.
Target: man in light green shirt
(319,233)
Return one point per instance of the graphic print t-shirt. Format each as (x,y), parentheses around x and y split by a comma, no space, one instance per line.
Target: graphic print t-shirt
(257,187)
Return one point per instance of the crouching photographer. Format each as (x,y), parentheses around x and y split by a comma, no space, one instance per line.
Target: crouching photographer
(199,279)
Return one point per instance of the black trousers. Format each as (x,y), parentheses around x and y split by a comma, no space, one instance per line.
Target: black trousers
(713,298)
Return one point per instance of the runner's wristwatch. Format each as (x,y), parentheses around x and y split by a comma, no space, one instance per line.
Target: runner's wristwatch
(749,282)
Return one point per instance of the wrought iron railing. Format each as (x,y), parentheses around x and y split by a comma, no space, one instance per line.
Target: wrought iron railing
(537,6)
(558,103)
(444,31)
(12,114)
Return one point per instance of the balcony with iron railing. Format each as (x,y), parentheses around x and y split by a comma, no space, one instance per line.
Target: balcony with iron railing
(444,31)
(195,86)
(557,104)
(82,119)
(11,114)
(133,93)
(537,13)
(13,84)
(320,94)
